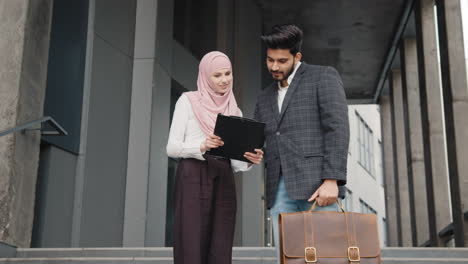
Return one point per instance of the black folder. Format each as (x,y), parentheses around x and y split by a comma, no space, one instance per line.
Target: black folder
(239,134)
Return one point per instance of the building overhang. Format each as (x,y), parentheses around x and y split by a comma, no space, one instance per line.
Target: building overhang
(359,38)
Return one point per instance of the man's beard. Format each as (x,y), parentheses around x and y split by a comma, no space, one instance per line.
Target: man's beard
(288,73)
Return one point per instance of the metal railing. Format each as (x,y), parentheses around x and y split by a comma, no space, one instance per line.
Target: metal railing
(447,234)
(58,130)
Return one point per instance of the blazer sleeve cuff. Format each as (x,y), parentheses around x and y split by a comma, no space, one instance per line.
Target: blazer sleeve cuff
(339,176)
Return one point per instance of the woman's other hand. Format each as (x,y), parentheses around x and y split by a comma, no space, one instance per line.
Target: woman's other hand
(256,157)
(210,142)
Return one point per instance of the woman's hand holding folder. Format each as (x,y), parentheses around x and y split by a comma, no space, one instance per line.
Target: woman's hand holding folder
(213,141)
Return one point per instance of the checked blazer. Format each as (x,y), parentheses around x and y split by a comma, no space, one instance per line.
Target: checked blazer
(308,141)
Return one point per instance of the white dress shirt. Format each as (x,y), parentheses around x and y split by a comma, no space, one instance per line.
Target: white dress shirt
(186,136)
(282,90)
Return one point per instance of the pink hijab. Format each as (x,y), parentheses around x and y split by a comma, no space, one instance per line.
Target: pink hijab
(206,104)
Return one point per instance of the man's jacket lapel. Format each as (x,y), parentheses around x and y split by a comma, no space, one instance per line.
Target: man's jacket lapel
(273,101)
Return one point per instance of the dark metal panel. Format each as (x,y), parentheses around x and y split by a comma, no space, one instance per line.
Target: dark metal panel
(65,76)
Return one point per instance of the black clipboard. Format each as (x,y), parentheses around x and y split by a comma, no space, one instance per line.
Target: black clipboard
(239,134)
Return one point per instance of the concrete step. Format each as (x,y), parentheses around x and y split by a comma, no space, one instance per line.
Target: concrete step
(241,255)
(163,252)
(449,253)
(237,252)
(237,260)
(424,261)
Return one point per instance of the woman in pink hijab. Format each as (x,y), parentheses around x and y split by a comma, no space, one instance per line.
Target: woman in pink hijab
(205,195)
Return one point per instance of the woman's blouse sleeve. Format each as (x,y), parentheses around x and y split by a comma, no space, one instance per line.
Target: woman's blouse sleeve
(177,147)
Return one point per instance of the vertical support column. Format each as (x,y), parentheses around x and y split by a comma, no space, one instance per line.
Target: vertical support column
(77,216)
(409,164)
(140,125)
(389,171)
(102,164)
(416,158)
(24,51)
(226,19)
(160,115)
(455,94)
(247,72)
(225,34)
(403,206)
(435,157)
(391,81)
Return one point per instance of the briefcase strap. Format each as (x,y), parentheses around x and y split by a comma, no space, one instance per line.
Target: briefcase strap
(312,208)
(309,239)
(354,256)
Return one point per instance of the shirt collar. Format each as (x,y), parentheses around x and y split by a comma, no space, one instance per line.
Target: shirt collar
(291,77)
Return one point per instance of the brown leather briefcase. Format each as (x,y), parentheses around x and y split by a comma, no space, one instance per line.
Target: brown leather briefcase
(328,237)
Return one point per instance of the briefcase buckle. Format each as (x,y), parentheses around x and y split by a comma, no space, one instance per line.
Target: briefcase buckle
(314,254)
(354,258)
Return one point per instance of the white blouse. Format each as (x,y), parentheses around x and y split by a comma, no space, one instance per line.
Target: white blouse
(186,136)
(283,90)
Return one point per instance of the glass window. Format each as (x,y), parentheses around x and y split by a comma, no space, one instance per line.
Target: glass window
(385,230)
(366,145)
(365,208)
(380,162)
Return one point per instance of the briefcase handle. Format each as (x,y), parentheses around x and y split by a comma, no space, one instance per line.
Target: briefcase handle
(312,208)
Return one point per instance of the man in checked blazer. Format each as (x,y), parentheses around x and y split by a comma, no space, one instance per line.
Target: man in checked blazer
(307,128)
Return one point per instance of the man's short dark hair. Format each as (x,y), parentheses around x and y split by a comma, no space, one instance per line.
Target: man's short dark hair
(287,36)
